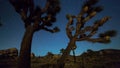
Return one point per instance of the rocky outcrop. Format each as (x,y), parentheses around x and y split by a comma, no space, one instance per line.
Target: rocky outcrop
(8,58)
(109,51)
(105,58)
(11,52)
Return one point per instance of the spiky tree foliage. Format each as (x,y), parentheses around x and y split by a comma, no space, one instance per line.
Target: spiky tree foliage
(77,31)
(35,18)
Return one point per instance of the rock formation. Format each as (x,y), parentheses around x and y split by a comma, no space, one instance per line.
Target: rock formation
(11,52)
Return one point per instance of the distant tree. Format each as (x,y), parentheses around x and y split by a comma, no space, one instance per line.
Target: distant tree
(82,32)
(61,51)
(35,18)
(50,55)
(89,51)
(0,22)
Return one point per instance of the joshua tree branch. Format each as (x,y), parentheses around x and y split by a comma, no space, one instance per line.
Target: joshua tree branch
(98,40)
(93,28)
(55,29)
(97,24)
(87,28)
(46,29)
(94,39)
(68,30)
(81,22)
(46,7)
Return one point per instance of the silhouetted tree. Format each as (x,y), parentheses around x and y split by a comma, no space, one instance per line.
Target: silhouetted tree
(0,22)
(50,55)
(80,32)
(62,50)
(35,18)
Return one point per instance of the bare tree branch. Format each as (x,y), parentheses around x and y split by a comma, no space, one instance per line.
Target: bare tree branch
(54,30)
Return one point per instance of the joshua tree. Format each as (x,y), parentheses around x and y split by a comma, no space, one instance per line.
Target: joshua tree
(80,32)
(35,18)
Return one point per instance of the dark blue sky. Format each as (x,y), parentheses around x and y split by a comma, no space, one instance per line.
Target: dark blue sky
(12,31)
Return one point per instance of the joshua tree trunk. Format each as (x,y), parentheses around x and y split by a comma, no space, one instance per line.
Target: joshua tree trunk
(61,61)
(25,50)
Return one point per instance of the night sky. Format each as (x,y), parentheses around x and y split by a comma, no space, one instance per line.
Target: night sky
(12,31)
